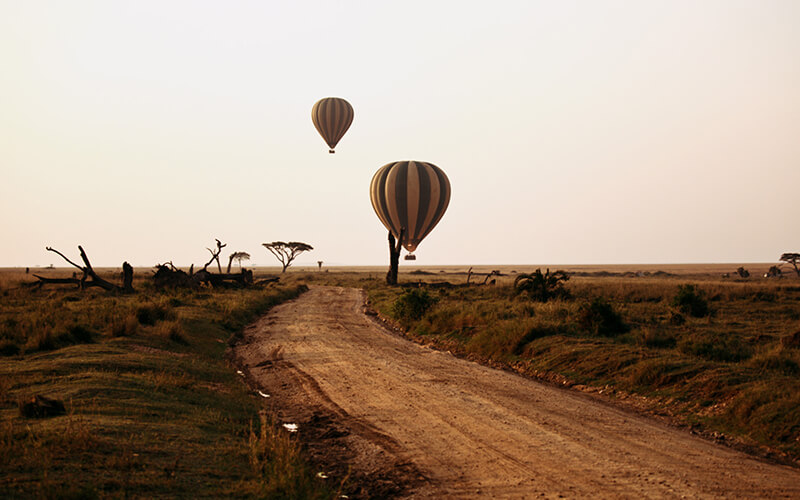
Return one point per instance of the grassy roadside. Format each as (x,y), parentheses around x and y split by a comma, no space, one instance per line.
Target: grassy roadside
(152,407)
(732,370)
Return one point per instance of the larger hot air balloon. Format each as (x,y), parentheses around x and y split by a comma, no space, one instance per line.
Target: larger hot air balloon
(332,117)
(410,195)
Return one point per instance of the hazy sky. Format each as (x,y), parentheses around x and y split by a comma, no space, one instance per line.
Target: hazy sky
(572,132)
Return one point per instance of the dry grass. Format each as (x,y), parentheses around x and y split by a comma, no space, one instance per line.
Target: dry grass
(153,409)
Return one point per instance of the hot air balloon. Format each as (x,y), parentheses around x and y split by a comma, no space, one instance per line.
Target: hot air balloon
(332,117)
(410,195)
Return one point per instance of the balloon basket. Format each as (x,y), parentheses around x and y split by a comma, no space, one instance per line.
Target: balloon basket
(410,256)
(331,151)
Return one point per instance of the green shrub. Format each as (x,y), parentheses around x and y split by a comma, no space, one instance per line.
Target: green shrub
(599,318)
(412,305)
(691,301)
(542,287)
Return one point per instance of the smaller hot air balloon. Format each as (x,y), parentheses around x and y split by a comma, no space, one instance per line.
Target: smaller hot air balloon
(332,117)
(411,196)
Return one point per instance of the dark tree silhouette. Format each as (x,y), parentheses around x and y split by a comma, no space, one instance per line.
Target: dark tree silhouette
(238,257)
(90,277)
(791,258)
(542,287)
(215,255)
(394,257)
(286,252)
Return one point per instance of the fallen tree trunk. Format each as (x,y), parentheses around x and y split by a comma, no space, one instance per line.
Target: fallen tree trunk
(169,276)
(53,281)
(89,277)
(239,280)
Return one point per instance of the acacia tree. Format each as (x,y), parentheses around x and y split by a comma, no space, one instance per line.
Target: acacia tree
(286,252)
(792,258)
(238,257)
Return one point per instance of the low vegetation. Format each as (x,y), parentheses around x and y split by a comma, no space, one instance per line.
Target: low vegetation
(152,408)
(721,356)
(542,287)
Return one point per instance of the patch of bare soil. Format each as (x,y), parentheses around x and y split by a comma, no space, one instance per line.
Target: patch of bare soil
(402,420)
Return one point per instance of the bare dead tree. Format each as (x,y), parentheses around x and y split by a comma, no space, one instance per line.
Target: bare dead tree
(494,272)
(486,277)
(89,277)
(793,259)
(215,255)
(127,277)
(286,252)
(394,257)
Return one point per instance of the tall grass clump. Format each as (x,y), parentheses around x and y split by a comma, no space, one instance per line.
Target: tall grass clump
(412,305)
(150,314)
(275,458)
(690,300)
(599,318)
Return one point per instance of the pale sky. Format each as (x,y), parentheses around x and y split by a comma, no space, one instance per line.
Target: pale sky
(573,132)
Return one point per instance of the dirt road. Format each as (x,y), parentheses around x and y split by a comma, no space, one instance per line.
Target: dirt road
(422,423)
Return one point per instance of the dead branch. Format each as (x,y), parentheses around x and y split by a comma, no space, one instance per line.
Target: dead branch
(53,281)
(215,255)
(88,272)
(50,249)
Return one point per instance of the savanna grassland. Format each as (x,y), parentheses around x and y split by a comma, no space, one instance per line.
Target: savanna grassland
(153,408)
(721,355)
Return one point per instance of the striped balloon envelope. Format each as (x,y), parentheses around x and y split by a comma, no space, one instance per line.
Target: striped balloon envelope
(332,117)
(410,195)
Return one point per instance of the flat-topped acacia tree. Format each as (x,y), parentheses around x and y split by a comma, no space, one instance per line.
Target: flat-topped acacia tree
(239,257)
(793,259)
(286,252)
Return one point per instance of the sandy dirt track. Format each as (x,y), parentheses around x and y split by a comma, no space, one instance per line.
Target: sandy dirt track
(422,423)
